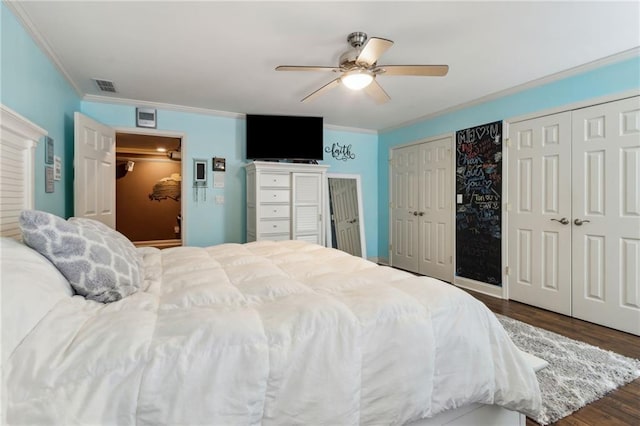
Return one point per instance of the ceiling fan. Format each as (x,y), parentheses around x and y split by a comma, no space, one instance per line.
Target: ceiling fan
(359,68)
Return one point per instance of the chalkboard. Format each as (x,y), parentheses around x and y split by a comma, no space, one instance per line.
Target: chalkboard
(478,212)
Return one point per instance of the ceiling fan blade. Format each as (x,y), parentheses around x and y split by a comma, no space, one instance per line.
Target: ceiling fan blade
(322,90)
(305,68)
(376,92)
(372,50)
(420,70)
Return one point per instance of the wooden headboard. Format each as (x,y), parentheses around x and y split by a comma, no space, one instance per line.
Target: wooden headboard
(18,140)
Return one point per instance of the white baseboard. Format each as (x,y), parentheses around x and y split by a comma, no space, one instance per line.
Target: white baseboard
(475,414)
(480,287)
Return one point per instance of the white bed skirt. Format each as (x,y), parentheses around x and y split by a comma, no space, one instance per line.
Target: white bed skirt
(474,415)
(481,414)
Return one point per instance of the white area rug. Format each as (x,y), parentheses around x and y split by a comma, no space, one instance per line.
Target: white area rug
(578,373)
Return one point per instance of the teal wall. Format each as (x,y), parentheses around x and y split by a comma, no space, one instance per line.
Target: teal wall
(364,148)
(31,86)
(610,79)
(206,136)
(34,88)
(210,136)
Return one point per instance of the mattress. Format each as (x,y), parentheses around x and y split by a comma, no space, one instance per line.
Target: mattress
(265,333)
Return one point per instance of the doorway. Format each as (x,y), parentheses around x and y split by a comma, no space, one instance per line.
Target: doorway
(148,189)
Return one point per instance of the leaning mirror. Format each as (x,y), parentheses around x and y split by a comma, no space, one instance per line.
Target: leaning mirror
(345,227)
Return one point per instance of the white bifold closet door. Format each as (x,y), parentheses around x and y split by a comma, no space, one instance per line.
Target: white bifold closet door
(404,204)
(574,213)
(421,208)
(539,230)
(606,214)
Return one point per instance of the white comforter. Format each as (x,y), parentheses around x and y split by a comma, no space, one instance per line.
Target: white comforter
(266,333)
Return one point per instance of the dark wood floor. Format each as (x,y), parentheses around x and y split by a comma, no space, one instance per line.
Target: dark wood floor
(620,407)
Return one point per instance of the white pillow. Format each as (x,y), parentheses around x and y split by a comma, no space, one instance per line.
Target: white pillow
(30,287)
(97,263)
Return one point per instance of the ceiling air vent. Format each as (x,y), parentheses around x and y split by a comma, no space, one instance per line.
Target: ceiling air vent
(105,85)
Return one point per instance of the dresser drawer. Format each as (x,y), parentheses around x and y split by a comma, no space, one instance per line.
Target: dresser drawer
(275,237)
(275,180)
(274,212)
(274,196)
(273,227)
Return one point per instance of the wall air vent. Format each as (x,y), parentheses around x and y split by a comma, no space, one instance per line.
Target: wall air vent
(105,85)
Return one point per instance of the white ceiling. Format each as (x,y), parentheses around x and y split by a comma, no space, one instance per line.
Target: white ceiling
(221,55)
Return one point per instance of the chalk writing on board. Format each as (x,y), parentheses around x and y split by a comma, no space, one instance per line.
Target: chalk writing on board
(478,216)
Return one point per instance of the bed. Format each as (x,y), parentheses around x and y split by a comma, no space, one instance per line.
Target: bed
(262,333)
(285,333)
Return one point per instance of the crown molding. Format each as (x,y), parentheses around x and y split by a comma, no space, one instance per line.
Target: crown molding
(618,57)
(612,97)
(39,40)
(205,111)
(160,105)
(350,129)
(16,8)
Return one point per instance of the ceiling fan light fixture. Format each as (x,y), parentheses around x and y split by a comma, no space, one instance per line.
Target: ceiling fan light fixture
(357,79)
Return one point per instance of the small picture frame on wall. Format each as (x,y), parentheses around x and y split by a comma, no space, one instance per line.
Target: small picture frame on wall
(219,164)
(49,186)
(57,168)
(48,150)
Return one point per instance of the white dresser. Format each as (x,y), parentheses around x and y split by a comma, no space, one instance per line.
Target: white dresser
(286,201)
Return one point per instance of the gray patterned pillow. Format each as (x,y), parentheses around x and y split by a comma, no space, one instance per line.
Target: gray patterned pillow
(97,265)
(101,228)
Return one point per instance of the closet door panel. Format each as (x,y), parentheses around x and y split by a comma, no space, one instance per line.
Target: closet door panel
(404,208)
(606,214)
(435,209)
(539,195)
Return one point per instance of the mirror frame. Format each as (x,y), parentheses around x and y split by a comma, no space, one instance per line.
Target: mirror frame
(329,239)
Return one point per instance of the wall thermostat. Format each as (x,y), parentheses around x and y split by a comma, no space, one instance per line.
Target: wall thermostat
(200,179)
(146,117)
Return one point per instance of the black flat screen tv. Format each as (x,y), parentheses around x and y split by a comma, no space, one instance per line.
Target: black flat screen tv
(284,137)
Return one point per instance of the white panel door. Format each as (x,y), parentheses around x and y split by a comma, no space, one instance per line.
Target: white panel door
(606,212)
(94,170)
(404,208)
(307,207)
(434,211)
(344,204)
(539,214)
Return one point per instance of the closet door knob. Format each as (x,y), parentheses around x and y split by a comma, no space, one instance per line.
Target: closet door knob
(563,221)
(579,222)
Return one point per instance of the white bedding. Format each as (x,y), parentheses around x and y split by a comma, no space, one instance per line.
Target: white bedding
(265,333)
